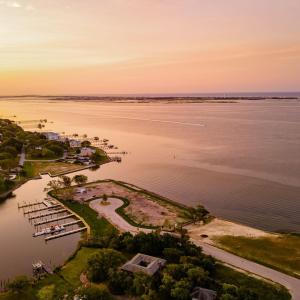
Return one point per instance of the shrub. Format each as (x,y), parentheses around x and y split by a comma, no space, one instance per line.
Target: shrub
(100,264)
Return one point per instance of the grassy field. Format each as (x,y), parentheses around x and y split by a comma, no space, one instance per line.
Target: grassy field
(99,226)
(281,253)
(33,169)
(264,289)
(72,270)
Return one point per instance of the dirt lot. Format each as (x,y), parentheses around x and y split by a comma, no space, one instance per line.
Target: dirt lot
(218,228)
(142,209)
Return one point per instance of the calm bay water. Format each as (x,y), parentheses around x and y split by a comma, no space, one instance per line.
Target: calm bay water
(241,160)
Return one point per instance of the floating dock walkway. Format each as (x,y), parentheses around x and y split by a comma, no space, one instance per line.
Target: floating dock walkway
(48,214)
(29,204)
(51,212)
(55,236)
(47,231)
(41,209)
(54,219)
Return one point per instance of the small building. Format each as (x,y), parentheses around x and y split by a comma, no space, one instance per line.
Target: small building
(87,151)
(51,136)
(144,263)
(203,294)
(74,143)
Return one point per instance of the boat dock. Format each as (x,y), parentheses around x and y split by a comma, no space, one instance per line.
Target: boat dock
(48,214)
(28,204)
(55,236)
(47,230)
(41,209)
(52,211)
(53,220)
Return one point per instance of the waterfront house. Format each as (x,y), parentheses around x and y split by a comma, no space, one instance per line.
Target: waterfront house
(74,143)
(87,151)
(51,136)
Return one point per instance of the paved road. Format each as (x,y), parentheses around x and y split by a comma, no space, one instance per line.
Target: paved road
(22,157)
(289,282)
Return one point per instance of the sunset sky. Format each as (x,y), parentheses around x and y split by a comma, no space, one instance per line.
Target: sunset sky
(148,46)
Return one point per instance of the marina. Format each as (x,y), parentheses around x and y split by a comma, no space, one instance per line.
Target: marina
(53,214)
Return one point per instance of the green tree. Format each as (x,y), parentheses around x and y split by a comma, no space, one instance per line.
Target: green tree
(181,290)
(172,255)
(85,144)
(196,275)
(101,262)
(53,185)
(94,292)
(197,213)
(80,179)
(66,180)
(97,157)
(140,284)
(119,281)
(228,297)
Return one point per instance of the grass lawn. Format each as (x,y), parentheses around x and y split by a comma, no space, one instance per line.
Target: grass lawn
(72,270)
(281,253)
(99,226)
(265,290)
(27,295)
(33,169)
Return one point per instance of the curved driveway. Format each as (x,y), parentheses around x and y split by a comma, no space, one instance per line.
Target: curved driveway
(109,213)
(291,283)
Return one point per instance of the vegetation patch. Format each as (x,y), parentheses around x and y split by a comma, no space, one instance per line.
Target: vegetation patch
(279,253)
(264,290)
(99,226)
(72,270)
(34,169)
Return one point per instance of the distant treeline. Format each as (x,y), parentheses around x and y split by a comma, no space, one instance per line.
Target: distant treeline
(155,98)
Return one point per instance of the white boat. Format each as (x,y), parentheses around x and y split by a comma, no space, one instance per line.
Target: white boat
(50,230)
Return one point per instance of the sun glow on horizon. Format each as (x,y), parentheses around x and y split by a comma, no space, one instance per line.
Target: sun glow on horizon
(142,46)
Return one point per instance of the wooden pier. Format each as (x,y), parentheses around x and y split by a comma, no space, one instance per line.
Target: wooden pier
(72,223)
(48,214)
(29,204)
(54,220)
(40,233)
(41,209)
(55,236)
(52,210)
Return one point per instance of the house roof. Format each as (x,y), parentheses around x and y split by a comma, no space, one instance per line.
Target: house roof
(144,263)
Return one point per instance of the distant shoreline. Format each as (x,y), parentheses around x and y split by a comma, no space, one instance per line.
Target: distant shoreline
(153,99)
